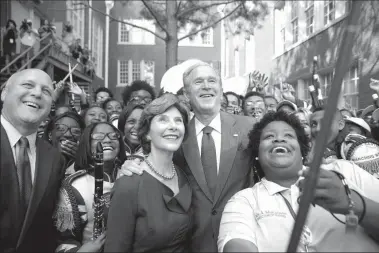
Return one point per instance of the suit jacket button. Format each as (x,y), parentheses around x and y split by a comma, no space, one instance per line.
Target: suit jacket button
(214,212)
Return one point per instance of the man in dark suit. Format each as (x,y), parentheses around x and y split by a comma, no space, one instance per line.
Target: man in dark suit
(31,170)
(218,166)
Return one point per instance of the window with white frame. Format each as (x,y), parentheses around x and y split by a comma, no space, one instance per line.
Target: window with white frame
(75,16)
(136,71)
(295,21)
(206,37)
(350,88)
(309,16)
(129,71)
(123,72)
(227,57)
(295,30)
(294,9)
(283,37)
(148,72)
(123,33)
(201,39)
(236,63)
(98,47)
(329,11)
(303,90)
(128,34)
(326,84)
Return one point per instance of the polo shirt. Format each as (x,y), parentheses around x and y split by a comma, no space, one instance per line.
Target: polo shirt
(260,215)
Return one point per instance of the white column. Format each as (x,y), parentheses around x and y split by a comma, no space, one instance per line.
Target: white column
(90,26)
(223,38)
(109,5)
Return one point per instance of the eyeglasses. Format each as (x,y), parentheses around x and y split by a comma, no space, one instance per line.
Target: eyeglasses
(101,136)
(101,97)
(140,99)
(250,103)
(62,128)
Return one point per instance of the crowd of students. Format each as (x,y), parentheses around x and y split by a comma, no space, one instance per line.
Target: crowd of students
(199,171)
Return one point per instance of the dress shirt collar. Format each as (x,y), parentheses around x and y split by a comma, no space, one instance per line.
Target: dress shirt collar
(215,124)
(14,135)
(271,187)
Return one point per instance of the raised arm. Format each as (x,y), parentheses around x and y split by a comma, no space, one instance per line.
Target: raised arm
(370,221)
(237,227)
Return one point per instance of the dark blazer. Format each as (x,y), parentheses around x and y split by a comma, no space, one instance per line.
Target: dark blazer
(35,232)
(144,216)
(234,175)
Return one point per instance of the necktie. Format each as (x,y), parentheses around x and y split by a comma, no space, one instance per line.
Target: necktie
(208,158)
(24,173)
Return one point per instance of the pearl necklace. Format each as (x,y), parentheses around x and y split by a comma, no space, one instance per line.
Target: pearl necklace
(160,174)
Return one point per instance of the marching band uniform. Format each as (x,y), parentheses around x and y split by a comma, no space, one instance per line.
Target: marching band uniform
(74,214)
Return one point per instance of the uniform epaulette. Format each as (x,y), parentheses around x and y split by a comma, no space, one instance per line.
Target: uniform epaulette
(66,214)
(69,179)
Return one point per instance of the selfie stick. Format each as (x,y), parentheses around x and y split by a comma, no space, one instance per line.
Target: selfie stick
(342,66)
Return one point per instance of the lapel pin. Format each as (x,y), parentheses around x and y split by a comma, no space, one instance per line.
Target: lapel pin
(235,135)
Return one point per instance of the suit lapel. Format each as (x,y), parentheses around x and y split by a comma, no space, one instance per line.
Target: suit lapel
(9,172)
(44,163)
(192,155)
(229,145)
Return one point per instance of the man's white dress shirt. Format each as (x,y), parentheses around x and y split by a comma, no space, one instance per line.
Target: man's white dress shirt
(14,136)
(216,135)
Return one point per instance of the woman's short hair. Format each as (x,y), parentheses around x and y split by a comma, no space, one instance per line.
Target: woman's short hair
(256,132)
(83,113)
(105,103)
(51,124)
(84,156)
(125,115)
(156,107)
(136,86)
(103,89)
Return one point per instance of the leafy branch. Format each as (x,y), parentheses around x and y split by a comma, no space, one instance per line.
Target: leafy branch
(155,16)
(212,24)
(122,21)
(201,7)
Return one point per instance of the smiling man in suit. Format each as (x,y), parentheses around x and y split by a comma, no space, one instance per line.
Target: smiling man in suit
(214,155)
(31,170)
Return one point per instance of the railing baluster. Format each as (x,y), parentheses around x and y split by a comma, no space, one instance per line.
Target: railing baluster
(38,54)
(21,55)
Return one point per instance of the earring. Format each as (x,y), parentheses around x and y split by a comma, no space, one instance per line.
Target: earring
(256,158)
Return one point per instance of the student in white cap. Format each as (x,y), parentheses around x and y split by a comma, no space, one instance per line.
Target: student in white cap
(357,126)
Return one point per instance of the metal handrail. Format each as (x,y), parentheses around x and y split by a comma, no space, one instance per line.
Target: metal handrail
(38,54)
(22,54)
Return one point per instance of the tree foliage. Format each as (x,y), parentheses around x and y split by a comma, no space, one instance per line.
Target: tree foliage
(242,16)
(194,16)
